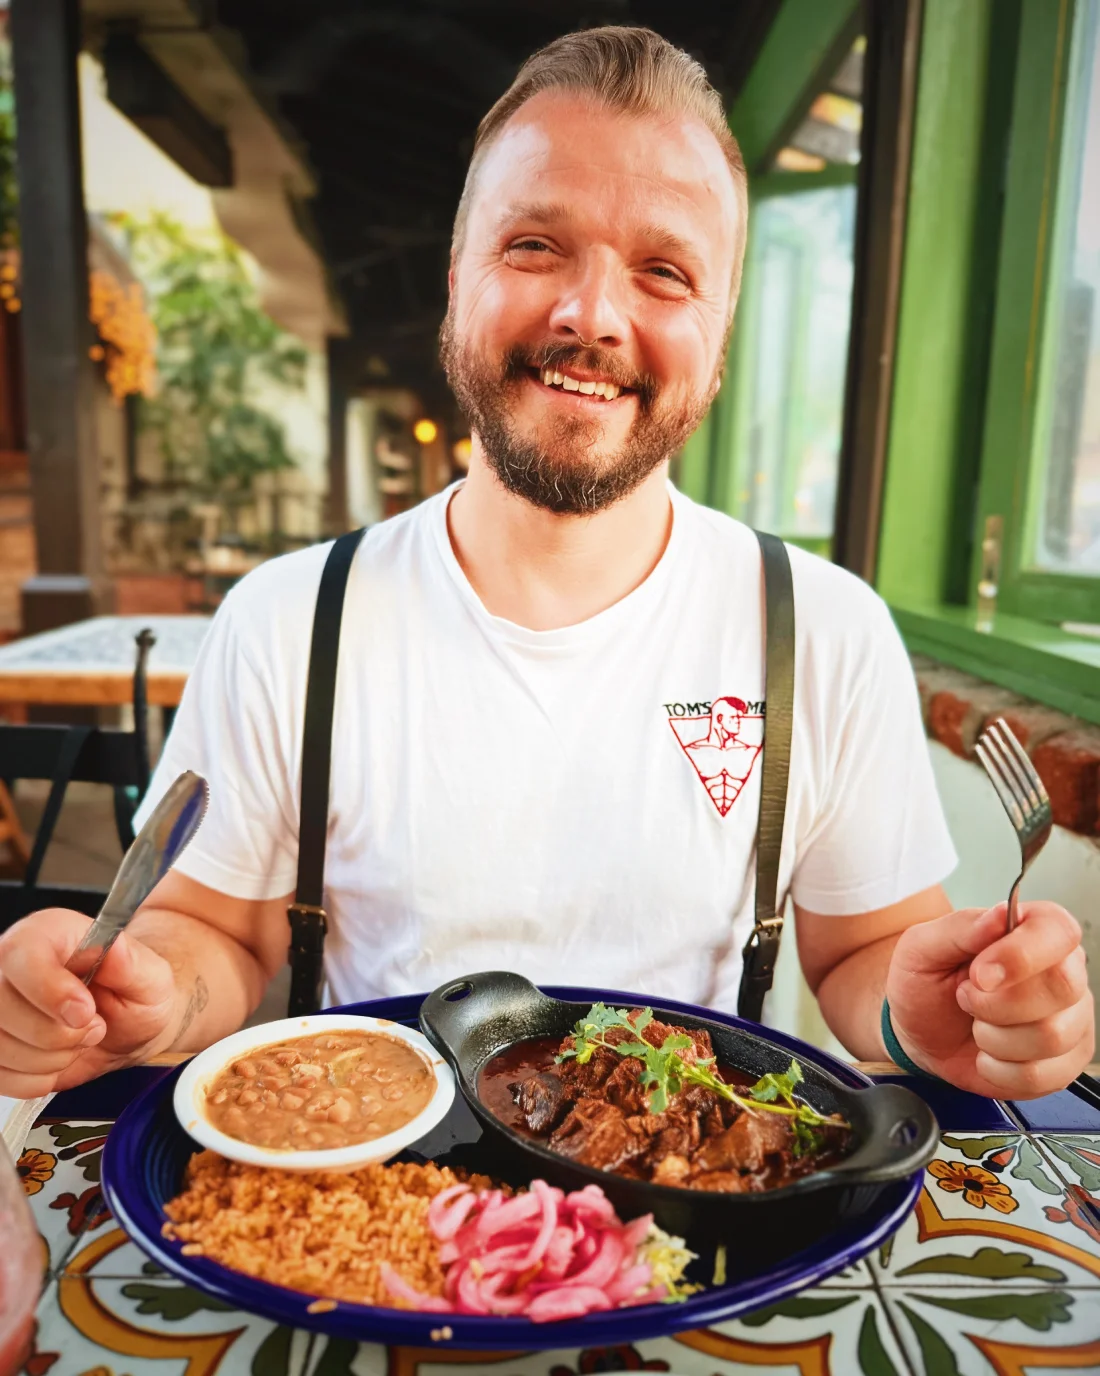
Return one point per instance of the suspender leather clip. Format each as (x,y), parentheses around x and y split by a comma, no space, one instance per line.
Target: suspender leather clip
(308,926)
(761,950)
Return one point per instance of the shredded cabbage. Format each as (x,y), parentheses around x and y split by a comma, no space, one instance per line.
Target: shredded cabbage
(668,1258)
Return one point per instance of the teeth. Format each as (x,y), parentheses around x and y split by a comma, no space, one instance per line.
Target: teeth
(609,390)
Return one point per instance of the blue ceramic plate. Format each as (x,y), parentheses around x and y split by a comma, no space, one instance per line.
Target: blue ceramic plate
(147,1150)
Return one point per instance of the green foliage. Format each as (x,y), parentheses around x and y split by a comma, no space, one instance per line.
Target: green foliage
(337,1358)
(1030,1167)
(273,1354)
(215,348)
(874,1360)
(800,1307)
(974,1148)
(771,1087)
(1088,1174)
(665,1072)
(9,185)
(1039,1311)
(935,1352)
(988,1262)
(172,1302)
(69,1134)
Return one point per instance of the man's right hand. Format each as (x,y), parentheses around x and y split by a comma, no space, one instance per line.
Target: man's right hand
(54,1031)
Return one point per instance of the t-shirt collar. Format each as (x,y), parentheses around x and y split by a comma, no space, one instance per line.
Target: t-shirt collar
(638,602)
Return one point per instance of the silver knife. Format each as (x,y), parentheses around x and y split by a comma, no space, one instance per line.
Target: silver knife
(156,848)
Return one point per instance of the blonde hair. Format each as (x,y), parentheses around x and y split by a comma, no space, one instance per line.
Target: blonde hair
(633,70)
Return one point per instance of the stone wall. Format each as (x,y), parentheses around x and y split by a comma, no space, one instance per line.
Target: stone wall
(1064,750)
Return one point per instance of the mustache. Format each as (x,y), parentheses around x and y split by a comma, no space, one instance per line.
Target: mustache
(558,356)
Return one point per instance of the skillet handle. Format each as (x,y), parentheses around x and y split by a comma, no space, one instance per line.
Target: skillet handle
(900,1135)
(474,1016)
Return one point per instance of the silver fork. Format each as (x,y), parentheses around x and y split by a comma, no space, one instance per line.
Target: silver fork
(1022,796)
(1026,801)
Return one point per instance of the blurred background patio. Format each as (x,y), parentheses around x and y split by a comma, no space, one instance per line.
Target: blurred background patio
(224,233)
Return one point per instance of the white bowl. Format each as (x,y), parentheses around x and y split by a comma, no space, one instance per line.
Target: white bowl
(190,1097)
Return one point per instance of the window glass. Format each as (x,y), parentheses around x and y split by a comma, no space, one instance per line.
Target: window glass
(829,133)
(1065,533)
(801,253)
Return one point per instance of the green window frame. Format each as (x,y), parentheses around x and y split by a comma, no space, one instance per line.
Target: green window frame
(728,469)
(1025,328)
(806,39)
(983,187)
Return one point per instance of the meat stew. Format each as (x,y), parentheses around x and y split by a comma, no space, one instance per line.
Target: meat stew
(598,1112)
(316,1093)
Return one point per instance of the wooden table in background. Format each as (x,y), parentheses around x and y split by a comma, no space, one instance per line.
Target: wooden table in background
(91,663)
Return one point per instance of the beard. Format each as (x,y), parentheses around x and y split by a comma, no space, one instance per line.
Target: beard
(563,470)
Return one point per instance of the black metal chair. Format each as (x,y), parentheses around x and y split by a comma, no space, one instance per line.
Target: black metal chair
(86,754)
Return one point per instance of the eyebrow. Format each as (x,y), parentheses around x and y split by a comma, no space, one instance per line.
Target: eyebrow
(671,243)
(557,212)
(537,212)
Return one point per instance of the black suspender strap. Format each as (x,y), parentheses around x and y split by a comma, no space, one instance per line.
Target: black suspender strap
(308,920)
(762,947)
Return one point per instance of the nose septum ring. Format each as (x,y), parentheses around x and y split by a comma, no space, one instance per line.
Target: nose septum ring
(588,343)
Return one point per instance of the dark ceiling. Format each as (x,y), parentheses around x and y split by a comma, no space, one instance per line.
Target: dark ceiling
(385,97)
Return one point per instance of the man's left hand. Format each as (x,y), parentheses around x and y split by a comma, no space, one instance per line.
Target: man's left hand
(1008,1015)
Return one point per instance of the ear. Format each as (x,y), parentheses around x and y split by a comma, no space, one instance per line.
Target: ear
(451,278)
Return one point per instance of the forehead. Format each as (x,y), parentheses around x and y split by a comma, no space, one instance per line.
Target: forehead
(610,169)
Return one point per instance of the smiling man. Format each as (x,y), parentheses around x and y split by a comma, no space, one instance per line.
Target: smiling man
(551,677)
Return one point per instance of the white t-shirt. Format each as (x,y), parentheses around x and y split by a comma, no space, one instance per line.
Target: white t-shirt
(578,805)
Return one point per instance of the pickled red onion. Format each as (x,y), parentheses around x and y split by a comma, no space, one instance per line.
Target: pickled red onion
(545,1254)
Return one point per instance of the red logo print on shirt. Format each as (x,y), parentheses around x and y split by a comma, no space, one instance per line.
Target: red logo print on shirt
(722,740)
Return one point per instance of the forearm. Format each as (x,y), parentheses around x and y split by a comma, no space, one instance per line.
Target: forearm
(218,982)
(850,997)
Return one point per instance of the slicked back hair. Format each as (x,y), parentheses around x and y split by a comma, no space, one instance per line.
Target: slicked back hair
(632,70)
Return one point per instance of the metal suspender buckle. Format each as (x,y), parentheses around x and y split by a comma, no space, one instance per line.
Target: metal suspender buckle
(308,925)
(762,948)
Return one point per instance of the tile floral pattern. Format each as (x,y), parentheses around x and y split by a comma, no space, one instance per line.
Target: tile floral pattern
(996,1273)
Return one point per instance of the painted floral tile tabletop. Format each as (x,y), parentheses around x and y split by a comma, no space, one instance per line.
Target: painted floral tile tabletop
(996,1271)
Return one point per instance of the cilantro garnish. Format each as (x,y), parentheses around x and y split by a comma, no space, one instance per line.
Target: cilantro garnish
(665,1072)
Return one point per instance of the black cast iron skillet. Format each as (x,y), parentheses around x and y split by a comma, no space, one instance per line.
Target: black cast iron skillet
(473,1019)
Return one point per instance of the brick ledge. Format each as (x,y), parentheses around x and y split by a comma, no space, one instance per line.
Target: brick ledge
(1064,750)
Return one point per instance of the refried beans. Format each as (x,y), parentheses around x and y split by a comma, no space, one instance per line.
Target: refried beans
(315,1093)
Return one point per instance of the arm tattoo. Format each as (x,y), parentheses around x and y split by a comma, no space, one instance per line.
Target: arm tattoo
(200,997)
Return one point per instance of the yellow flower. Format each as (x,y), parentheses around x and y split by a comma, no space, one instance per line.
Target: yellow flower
(35,1168)
(128,336)
(979,1187)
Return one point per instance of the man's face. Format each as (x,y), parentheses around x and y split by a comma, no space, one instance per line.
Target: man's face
(728,721)
(590,301)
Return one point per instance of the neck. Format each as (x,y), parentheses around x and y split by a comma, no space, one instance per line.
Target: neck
(545,571)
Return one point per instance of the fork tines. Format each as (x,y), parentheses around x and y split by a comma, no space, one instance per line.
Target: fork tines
(1010,771)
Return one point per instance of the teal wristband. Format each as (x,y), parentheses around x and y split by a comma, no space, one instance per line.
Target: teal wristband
(894,1048)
